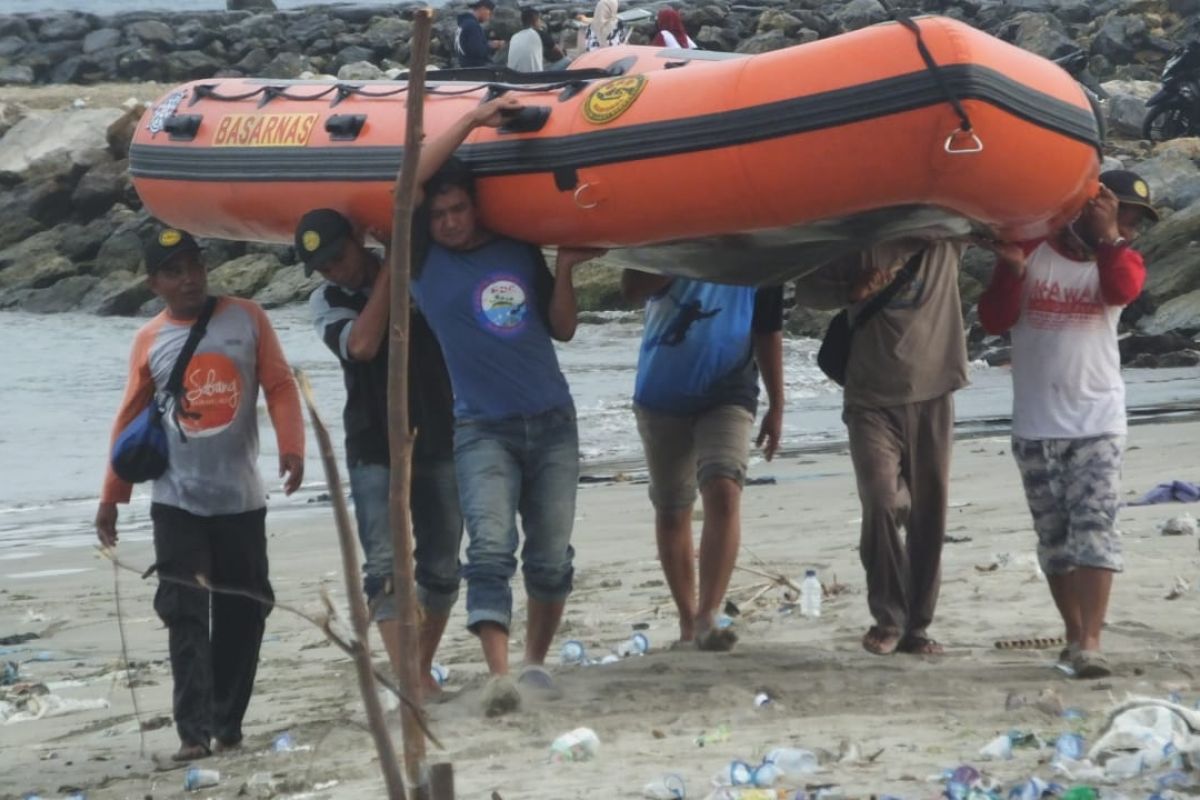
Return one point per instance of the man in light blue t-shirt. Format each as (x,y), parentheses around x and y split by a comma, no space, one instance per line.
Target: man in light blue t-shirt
(496,311)
(695,399)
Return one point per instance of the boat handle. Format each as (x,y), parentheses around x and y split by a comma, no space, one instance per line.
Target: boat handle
(976,144)
(579,193)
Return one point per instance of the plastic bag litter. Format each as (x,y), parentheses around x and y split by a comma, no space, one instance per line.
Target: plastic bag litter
(51,705)
(1153,729)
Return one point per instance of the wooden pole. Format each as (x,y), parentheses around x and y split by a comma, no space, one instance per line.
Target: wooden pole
(400,437)
(358,606)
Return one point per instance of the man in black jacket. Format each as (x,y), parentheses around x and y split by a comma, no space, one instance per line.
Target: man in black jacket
(471,45)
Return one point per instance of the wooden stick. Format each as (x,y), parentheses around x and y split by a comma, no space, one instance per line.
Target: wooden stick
(358,606)
(400,434)
(782,580)
(442,782)
(137,712)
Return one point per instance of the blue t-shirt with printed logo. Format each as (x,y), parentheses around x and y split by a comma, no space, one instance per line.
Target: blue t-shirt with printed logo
(487,308)
(697,348)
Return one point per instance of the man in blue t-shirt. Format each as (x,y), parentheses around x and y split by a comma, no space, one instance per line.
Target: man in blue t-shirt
(695,399)
(496,310)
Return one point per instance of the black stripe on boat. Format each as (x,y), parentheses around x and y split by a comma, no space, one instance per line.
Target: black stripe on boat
(636,142)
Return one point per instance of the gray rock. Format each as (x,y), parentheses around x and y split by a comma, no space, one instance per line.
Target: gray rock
(860,13)
(77,69)
(16,75)
(36,273)
(289,285)
(1142,90)
(10,114)
(101,39)
(764,43)
(1120,37)
(696,17)
(1172,250)
(54,135)
(775,19)
(82,242)
(254,62)
(1125,115)
(49,201)
(360,71)
(354,54)
(387,32)
(43,57)
(808,322)
(1173,177)
(1179,314)
(13,25)
(65,26)
(314,26)
(117,294)
(16,227)
(141,63)
(100,188)
(245,276)
(190,65)
(1040,33)
(66,295)
(151,31)
(1179,359)
(12,46)
(121,252)
(287,66)
(195,35)
(250,5)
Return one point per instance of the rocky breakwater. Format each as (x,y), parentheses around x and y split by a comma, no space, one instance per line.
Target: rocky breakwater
(71,222)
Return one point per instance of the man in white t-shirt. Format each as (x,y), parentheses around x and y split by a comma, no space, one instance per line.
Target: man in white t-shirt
(1062,299)
(525,48)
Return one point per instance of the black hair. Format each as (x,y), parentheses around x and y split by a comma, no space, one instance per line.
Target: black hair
(529,15)
(454,174)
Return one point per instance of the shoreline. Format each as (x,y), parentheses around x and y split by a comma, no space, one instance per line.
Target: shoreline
(828,695)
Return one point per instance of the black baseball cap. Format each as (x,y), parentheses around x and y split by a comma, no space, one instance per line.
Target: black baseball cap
(488,4)
(1130,189)
(166,244)
(320,236)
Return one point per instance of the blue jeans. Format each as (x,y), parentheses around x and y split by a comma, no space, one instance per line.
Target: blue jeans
(437,534)
(521,464)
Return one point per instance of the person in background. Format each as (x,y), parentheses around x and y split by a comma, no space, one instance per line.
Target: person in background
(670,31)
(526,48)
(606,29)
(350,312)
(1062,298)
(209,508)
(497,311)
(472,48)
(695,399)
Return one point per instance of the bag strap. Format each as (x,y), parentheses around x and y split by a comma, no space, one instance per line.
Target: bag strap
(885,295)
(931,65)
(195,334)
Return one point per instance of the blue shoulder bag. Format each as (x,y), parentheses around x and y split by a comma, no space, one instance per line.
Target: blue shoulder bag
(140,452)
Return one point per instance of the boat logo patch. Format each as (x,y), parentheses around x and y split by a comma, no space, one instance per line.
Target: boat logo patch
(311,241)
(164,111)
(612,99)
(265,130)
(1143,191)
(170,237)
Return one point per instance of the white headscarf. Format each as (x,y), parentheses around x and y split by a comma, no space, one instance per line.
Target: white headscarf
(604,20)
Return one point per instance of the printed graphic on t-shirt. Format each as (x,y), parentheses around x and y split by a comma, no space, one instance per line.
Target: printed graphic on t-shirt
(502,304)
(676,330)
(1054,307)
(911,296)
(212,394)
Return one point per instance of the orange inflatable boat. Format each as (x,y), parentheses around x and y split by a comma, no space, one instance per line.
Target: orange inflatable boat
(740,168)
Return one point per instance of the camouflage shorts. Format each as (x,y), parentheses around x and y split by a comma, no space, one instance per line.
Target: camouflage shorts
(1072,486)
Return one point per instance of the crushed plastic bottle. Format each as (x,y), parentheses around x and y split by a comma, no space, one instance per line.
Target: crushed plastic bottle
(196,778)
(735,773)
(998,749)
(573,653)
(793,762)
(636,645)
(1068,747)
(1125,767)
(1032,789)
(668,787)
(581,744)
(810,595)
(284,743)
(440,674)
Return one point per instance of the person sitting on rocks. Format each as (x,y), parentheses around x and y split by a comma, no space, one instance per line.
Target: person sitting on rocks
(1061,298)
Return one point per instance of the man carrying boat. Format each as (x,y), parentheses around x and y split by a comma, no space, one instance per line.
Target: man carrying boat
(350,313)
(695,398)
(497,311)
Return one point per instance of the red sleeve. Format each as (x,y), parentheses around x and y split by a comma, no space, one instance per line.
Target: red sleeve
(1000,305)
(139,388)
(279,385)
(1122,274)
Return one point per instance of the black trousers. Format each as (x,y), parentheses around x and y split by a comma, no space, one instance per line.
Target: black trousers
(213,665)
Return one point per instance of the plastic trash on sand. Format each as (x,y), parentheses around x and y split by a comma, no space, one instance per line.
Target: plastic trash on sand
(51,705)
(581,744)
(668,787)
(998,749)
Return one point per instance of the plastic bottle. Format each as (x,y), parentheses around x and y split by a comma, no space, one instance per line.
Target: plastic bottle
(573,653)
(1080,793)
(197,778)
(440,674)
(284,743)
(810,595)
(668,787)
(792,762)
(998,749)
(1069,747)
(636,645)
(581,744)
(735,773)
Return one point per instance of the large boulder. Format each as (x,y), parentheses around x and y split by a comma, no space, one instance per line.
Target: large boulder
(118,294)
(11,114)
(1120,38)
(101,39)
(1179,314)
(809,323)
(122,251)
(286,66)
(66,295)
(245,276)
(190,65)
(54,136)
(36,273)
(151,31)
(65,26)
(360,71)
(1125,116)
(99,188)
(250,5)
(1039,33)
(764,43)
(16,75)
(289,285)
(860,13)
(11,47)
(775,19)
(1173,177)
(1172,251)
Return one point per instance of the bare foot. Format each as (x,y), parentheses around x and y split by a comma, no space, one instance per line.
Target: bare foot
(191,752)
(500,696)
(716,640)
(430,688)
(880,641)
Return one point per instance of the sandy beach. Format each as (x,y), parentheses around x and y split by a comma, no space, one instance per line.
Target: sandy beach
(908,718)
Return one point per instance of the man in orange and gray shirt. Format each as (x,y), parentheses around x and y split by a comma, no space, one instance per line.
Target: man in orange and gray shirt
(209,507)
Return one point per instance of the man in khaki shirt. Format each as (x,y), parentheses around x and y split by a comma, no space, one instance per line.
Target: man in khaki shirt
(905,364)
